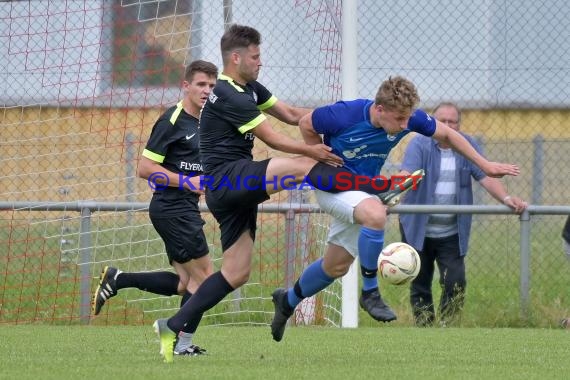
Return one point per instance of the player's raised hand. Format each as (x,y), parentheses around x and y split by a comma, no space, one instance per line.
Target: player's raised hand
(498,169)
(322,153)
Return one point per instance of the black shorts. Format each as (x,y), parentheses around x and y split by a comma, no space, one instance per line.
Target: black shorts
(183,236)
(233,202)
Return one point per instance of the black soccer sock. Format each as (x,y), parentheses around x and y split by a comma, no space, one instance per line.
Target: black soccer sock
(185,297)
(212,291)
(163,283)
(335,180)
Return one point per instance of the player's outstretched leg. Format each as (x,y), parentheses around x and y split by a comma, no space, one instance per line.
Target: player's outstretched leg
(106,289)
(167,338)
(392,197)
(282,313)
(373,303)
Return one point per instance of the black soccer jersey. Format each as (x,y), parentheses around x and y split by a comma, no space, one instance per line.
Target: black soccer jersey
(174,142)
(226,121)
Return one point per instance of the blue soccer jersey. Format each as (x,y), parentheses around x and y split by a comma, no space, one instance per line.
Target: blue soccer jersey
(346,128)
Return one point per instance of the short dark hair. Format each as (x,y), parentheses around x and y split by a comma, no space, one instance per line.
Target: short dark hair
(238,37)
(200,66)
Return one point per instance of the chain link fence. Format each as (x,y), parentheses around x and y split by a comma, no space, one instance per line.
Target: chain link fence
(84,81)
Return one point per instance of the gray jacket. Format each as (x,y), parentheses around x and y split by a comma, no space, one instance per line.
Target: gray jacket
(423,152)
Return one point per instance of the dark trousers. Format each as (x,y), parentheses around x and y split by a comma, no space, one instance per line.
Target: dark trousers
(445,253)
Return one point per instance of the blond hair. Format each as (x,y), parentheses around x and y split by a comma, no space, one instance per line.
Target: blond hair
(397,94)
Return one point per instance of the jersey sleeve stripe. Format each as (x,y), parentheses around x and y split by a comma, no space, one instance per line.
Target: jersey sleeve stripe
(230,81)
(268,104)
(176,113)
(153,156)
(252,124)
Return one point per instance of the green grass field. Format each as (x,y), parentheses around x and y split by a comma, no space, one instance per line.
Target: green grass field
(385,352)
(39,297)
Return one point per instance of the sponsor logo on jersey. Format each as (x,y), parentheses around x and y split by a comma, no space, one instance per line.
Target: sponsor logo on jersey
(191,166)
(353,153)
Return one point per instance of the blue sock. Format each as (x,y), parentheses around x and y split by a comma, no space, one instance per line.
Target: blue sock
(312,280)
(370,243)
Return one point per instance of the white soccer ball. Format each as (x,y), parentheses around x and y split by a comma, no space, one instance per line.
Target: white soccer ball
(398,263)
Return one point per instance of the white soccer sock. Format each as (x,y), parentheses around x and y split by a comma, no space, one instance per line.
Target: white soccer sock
(184,341)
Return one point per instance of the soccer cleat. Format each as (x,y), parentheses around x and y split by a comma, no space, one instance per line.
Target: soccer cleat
(106,289)
(565,323)
(372,302)
(392,197)
(167,338)
(193,350)
(282,313)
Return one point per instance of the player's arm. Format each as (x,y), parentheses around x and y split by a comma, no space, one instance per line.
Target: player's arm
(460,144)
(327,120)
(283,143)
(496,189)
(287,113)
(148,169)
(310,136)
(268,103)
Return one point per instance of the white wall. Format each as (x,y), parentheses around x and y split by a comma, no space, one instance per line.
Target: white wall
(485,53)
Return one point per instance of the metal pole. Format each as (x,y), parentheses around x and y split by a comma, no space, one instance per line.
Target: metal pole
(196,31)
(130,156)
(350,91)
(525,226)
(290,246)
(84,264)
(290,236)
(537,170)
(228,13)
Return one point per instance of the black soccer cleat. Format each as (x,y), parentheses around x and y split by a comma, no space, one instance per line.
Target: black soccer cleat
(106,289)
(392,197)
(282,313)
(372,302)
(193,350)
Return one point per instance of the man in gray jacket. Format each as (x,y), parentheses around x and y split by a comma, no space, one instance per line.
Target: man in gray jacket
(443,238)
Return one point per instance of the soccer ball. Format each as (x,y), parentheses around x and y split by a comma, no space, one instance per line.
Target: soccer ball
(398,263)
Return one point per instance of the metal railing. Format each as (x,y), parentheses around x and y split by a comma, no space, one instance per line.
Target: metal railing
(289,210)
